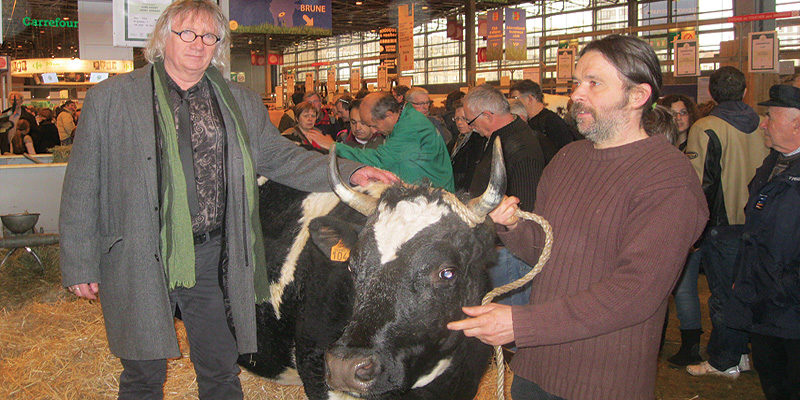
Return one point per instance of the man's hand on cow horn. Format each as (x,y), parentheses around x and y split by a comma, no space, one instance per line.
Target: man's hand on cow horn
(365,175)
(492,324)
(505,213)
(86,290)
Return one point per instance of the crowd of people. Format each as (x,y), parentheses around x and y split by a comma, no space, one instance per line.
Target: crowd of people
(656,192)
(34,130)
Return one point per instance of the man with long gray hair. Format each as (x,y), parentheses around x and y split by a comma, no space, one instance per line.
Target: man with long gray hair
(159,211)
(625,207)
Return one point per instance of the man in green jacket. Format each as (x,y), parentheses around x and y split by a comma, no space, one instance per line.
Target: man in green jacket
(413,149)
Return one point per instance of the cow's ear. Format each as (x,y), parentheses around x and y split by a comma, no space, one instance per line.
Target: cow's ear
(334,237)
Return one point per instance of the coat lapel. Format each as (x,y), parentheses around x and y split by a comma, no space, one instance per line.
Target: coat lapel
(143,127)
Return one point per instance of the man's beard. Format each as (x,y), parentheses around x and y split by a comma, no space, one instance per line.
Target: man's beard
(604,128)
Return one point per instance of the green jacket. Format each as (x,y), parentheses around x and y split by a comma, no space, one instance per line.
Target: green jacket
(413,151)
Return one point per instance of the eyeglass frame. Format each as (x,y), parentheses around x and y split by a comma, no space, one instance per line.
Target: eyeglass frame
(202,37)
(682,113)
(421,103)
(456,119)
(472,121)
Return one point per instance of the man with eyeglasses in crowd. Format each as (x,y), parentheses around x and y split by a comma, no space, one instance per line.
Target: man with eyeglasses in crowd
(488,112)
(160,205)
(421,101)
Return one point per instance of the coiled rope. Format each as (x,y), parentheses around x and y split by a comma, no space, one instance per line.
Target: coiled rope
(543,257)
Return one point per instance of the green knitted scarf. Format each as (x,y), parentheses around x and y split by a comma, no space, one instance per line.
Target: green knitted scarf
(177,241)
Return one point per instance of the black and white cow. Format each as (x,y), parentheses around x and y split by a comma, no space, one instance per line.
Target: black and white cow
(361,299)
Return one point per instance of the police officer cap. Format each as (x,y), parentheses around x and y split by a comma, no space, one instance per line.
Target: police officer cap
(783,96)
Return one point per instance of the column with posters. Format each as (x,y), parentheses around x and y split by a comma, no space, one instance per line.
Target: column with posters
(331,82)
(516,37)
(405,37)
(355,80)
(494,41)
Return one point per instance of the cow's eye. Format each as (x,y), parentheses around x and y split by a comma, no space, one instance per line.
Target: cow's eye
(447,273)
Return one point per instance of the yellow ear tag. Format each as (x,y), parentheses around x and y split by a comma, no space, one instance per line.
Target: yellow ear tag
(340,252)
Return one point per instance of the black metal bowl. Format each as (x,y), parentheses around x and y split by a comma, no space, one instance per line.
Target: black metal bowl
(20,223)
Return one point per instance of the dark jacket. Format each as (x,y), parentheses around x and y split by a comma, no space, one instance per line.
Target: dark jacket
(766,295)
(524,163)
(46,137)
(553,127)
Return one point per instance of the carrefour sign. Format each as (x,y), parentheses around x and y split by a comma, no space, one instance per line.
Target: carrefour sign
(58,22)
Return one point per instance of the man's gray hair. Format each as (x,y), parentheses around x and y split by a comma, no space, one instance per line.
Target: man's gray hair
(518,109)
(182,9)
(385,103)
(414,92)
(486,98)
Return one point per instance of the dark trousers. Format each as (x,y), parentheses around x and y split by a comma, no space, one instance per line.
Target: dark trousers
(523,389)
(720,248)
(211,343)
(777,361)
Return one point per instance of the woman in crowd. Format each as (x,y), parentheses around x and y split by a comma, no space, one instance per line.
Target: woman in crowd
(48,133)
(687,301)
(685,112)
(467,149)
(304,133)
(22,142)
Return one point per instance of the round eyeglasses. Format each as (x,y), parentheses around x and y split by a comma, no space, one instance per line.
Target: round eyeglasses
(188,36)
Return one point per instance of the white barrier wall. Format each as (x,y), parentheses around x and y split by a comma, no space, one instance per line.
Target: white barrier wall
(34,188)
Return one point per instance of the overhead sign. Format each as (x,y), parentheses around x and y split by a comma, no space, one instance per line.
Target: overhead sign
(494,43)
(308,17)
(3,63)
(764,52)
(405,37)
(28,67)
(687,58)
(763,16)
(55,23)
(516,36)
(388,53)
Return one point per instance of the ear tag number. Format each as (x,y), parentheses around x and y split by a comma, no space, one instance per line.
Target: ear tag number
(340,252)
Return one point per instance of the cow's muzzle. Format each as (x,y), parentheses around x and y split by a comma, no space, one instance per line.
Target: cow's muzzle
(351,373)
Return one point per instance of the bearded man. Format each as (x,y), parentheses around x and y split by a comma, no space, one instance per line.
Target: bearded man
(625,207)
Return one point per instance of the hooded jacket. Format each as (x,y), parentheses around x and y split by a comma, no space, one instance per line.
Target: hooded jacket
(725,148)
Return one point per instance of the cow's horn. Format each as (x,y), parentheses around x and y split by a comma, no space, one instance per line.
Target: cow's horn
(360,202)
(496,188)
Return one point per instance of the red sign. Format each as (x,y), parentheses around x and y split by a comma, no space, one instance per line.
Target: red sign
(276,59)
(763,16)
(3,63)
(482,54)
(455,30)
(257,59)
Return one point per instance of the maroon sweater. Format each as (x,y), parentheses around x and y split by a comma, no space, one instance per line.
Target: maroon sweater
(623,220)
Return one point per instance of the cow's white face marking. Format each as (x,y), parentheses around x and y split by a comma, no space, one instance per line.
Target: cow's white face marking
(437,370)
(397,226)
(340,396)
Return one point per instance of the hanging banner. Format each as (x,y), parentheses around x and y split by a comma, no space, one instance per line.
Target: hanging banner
(388,53)
(383,78)
(291,17)
(455,30)
(258,60)
(687,58)
(494,42)
(331,79)
(355,80)
(309,82)
(516,37)
(289,85)
(566,63)
(764,52)
(275,59)
(405,36)
(133,20)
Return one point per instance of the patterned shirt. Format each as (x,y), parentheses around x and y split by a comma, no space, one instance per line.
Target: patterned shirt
(208,145)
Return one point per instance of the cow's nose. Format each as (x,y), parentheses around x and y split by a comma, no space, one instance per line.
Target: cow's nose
(351,374)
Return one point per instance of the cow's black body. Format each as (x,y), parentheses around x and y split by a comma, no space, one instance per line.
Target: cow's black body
(402,323)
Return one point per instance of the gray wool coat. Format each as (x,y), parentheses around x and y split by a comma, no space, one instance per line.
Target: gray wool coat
(109,221)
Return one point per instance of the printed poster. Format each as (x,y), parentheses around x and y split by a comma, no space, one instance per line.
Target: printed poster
(516,38)
(565,63)
(133,20)
(355,80)
(494,41)
(764,52)
(687,58)
(292,17)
